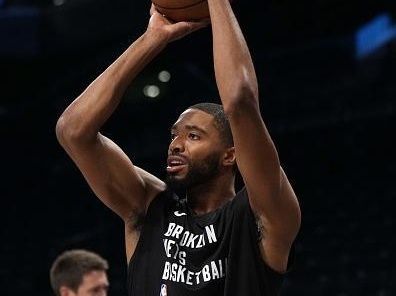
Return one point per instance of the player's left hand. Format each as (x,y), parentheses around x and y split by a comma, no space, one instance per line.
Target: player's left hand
(172,31)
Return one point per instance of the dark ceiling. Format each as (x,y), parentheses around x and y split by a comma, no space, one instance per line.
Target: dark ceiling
(331,115)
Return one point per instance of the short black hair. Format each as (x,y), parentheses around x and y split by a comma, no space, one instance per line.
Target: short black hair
(221,121)
(70,267)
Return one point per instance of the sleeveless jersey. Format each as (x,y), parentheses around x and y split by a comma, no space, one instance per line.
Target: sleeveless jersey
(181,254)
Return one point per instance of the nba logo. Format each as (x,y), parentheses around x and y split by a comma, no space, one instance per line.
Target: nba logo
(163,290)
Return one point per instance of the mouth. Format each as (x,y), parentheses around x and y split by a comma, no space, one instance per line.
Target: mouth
(176,164)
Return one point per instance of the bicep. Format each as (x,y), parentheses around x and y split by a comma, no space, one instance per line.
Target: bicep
(256,155)
(270,193)
(271,196)
(111,175)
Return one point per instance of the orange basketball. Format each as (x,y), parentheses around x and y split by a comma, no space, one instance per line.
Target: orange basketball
(182,10)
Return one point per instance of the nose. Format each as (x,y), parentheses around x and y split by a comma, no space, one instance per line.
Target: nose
(176,146)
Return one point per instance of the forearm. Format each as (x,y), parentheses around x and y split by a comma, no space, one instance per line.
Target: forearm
(234,70)
(86,115)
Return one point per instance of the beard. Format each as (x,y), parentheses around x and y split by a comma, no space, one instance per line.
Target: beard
(199,172)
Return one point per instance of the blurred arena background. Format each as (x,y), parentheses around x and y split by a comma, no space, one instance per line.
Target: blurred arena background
(327,75)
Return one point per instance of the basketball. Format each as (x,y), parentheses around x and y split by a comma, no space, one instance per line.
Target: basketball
(182,10)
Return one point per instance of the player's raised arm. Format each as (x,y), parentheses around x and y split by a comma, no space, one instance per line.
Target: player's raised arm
(110,173)
(270,194)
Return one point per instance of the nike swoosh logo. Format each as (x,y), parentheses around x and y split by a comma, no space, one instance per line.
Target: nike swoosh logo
(179,214)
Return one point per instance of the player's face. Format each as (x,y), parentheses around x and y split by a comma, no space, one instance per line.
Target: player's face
(195,151)
(94,283)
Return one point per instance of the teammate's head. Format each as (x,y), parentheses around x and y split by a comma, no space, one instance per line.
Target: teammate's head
(79,273)
(201,146)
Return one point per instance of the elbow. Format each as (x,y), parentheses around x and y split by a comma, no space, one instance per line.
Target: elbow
(69,131)
(241,97)
(60,129)
(241,92)
(63,130)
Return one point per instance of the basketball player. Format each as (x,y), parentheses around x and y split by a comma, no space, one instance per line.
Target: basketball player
(79,273)
(211,240)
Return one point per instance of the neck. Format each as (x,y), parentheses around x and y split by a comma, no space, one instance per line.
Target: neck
(207,197)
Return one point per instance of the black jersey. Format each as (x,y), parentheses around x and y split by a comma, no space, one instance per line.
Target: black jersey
(181,254)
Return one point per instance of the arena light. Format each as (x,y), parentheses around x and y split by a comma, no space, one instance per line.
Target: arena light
(374,35)
(151,91)
(164,76)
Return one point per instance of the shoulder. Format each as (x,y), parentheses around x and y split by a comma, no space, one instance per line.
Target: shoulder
(239,207)
(163,202)
(241,200)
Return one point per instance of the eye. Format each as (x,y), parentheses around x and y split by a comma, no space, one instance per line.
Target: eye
(193,136)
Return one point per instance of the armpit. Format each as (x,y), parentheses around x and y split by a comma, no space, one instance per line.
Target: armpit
(260,228)
(135,221)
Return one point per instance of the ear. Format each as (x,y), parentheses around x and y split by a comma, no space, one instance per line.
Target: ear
(229,157)
(65,291)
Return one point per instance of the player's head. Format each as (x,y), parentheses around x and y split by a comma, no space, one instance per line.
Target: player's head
(201,146)
(220,121)
(79,273)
